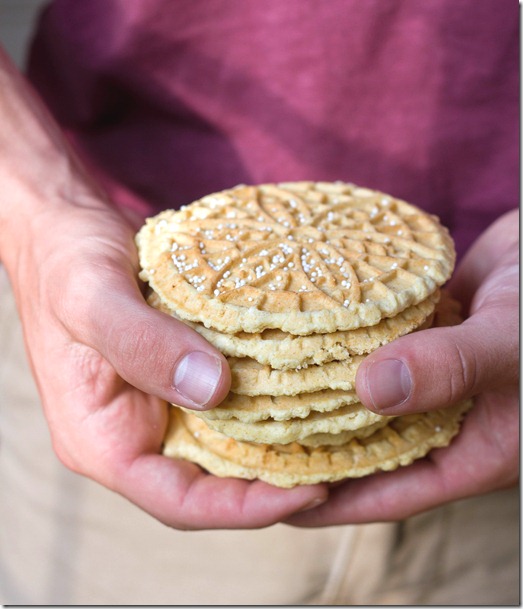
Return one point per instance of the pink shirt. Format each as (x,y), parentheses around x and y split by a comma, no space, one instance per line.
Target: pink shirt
(173,99)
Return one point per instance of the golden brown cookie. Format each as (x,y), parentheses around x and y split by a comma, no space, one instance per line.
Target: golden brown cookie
(305,257)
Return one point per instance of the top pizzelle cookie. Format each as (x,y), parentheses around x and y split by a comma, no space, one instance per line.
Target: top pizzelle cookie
(302,257)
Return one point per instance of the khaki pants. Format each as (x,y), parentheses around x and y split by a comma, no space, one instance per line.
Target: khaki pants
(66,540)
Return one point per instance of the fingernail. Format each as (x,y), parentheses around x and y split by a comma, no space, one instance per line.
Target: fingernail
(197,376)
(389,383)
(313,504)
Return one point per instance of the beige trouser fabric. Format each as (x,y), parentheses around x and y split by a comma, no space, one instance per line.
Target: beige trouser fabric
(65,540)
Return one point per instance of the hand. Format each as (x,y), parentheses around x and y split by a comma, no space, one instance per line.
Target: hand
(104,361)
(438,367)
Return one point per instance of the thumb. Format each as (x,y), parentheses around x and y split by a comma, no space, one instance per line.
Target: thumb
(438,367)
(155,352)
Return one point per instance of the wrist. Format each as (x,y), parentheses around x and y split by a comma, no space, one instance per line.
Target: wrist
(39,173)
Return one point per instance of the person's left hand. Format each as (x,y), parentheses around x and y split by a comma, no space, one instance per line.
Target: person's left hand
(441,366)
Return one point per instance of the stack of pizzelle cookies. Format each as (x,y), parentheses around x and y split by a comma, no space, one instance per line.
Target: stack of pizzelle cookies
(296,283)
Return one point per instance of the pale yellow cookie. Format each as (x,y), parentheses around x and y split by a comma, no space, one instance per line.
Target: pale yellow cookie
(251,378)
(317,440)
(251,409)
(306,257)
(354,417)
(281,350)
(403,440)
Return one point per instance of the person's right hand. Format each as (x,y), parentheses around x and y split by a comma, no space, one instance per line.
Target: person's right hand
(104,361)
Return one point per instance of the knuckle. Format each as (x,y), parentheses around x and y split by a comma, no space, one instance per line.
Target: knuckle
(64,455)
(463,372)
(76,304)
(137,341)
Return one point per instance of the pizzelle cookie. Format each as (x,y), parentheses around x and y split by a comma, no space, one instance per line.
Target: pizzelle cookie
(354,418)
(251,378)
(399,443)
(252,409)
(317,440)
(296,283)
(302,257)
(281,350)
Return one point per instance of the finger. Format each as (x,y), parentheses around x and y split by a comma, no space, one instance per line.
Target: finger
(149,349)
(441,366)
(499,243)
(484,457)
(161,355)
(180,495)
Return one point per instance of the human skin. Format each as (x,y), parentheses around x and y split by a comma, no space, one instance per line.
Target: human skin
(105,363)
(478,358)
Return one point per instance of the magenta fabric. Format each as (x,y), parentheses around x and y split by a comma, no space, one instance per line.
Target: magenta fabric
(173,99)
